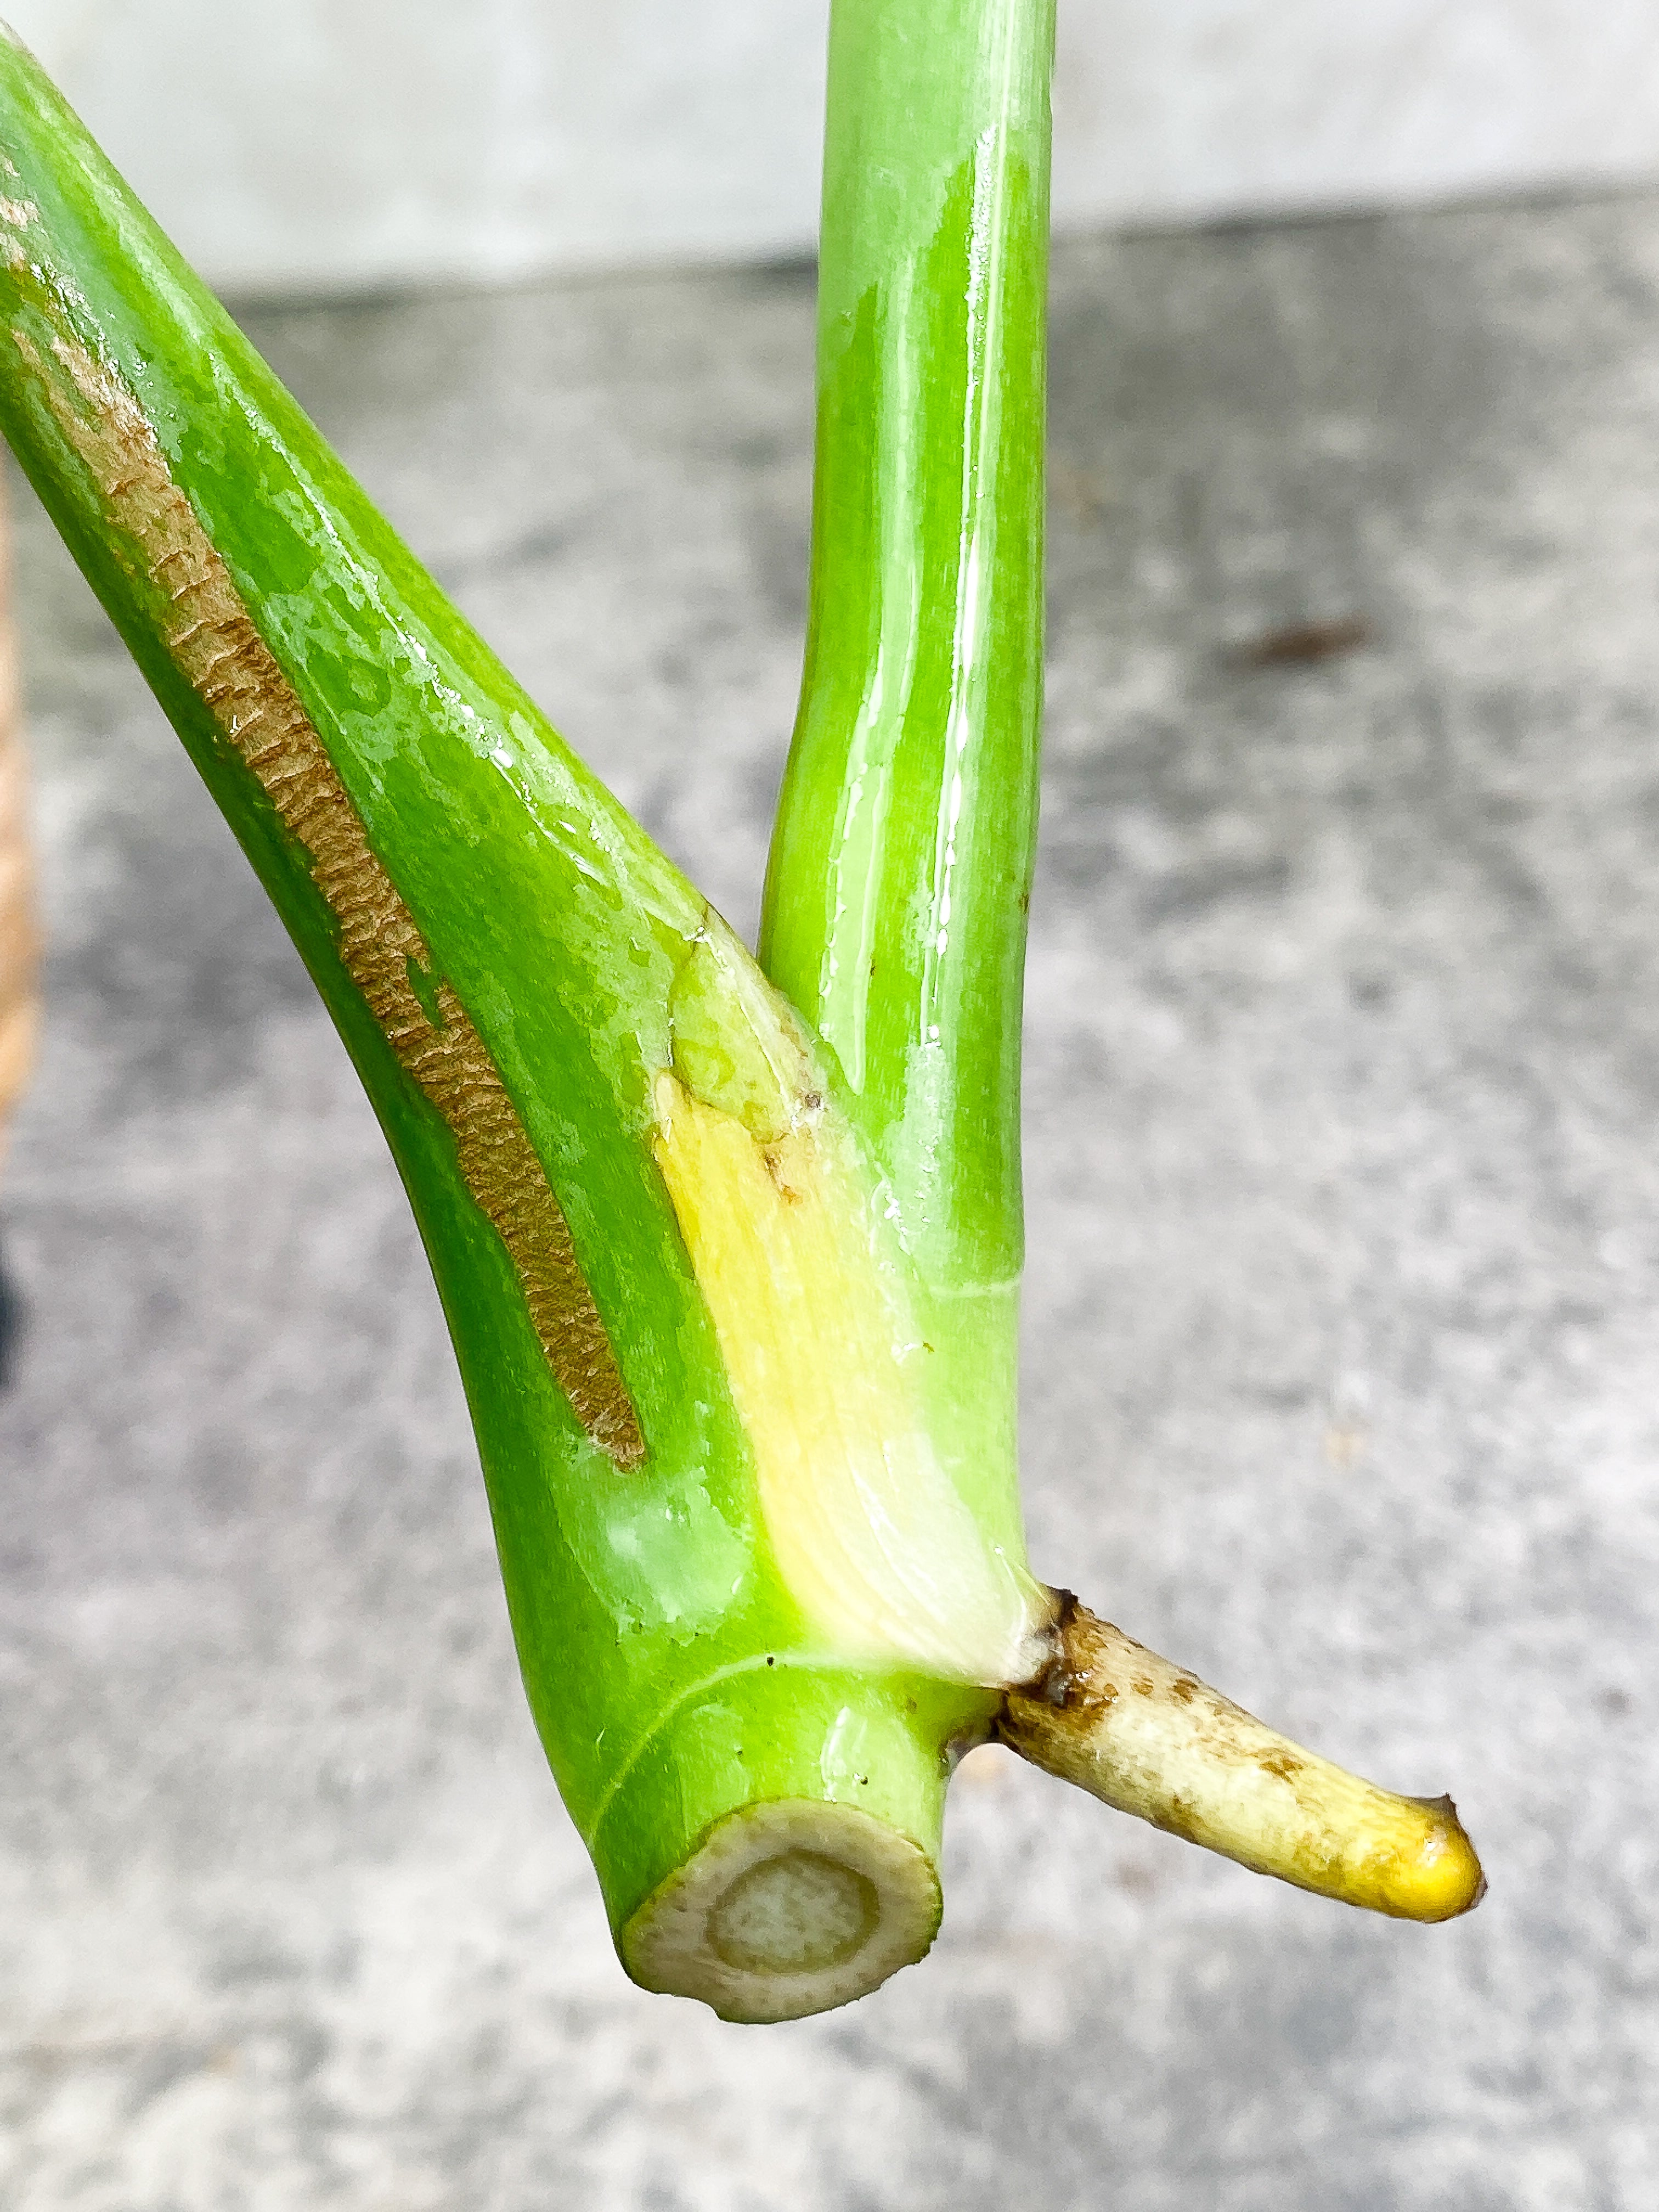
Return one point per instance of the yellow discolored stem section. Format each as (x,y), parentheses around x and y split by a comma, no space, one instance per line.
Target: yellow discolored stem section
(1152,1740)
(884,1558)
(808,1292)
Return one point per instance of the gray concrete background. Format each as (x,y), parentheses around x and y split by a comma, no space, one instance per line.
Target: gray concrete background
(293,145)
(1344,1257)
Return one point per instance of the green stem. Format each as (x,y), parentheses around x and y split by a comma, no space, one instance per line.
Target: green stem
(733,1302)
(901,864)
(752,1611)
(901,861)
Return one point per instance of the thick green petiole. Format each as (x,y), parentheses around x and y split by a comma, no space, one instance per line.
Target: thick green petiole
(729,1263)
(901,864)
(902,860)
(525,985)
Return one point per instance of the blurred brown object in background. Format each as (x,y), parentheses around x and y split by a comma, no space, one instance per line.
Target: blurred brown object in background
(1307,641)
(17,932)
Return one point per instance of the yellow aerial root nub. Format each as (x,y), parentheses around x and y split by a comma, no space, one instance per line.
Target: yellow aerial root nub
(1151,1739)
(884,1559)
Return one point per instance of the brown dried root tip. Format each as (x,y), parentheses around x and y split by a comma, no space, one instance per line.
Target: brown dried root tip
(1153,1741)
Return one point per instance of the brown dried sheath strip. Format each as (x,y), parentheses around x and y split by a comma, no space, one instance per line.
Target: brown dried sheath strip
(215,643)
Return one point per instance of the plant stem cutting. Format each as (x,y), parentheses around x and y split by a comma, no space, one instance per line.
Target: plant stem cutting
(729,1247)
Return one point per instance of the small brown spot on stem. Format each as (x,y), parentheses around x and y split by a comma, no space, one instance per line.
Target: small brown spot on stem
(1284,1764)
(777,1169)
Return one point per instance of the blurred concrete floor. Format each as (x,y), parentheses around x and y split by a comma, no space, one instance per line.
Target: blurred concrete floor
(1343,1378)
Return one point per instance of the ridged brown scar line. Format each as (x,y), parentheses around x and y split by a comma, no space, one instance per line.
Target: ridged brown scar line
(216,645)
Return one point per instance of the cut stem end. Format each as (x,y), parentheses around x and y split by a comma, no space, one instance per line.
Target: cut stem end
(786,1909)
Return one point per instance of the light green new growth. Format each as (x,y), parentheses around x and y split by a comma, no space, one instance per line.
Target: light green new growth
(729,1251)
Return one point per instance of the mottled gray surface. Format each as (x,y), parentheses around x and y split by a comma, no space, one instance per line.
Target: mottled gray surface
(1342,1367)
